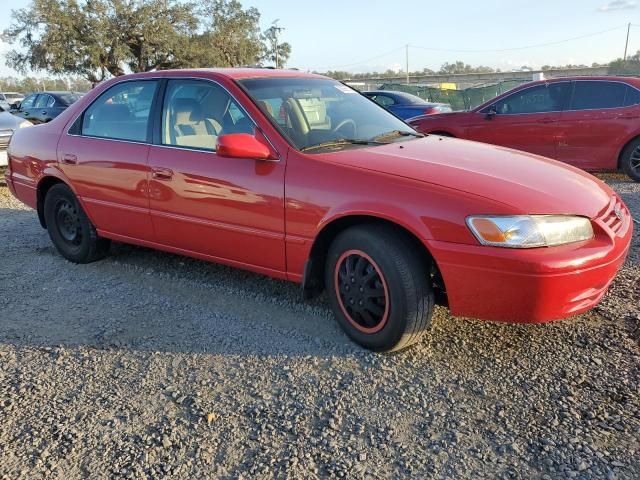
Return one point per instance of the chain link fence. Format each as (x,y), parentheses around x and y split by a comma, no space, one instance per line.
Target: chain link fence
(459,99)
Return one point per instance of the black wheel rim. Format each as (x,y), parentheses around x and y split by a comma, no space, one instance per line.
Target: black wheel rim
(362,291)
(68,222)
(634,161)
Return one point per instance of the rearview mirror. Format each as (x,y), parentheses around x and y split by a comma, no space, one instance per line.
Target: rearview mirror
(242,145)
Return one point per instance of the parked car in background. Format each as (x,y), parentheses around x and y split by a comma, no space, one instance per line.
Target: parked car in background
(8,124)
(299,177)
(405,105)
(42,107)
(7,99)
(590,122)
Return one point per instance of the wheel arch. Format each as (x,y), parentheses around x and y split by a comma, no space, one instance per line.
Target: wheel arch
(624,147)
(44,185)
(313,278)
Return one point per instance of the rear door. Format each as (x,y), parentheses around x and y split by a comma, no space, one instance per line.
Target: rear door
(599,118)
(526,120)
(104,153)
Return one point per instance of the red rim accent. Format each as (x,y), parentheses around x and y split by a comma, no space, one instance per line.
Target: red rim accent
(336,279)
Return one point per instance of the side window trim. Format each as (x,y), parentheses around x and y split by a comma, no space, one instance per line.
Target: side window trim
(75,127)
(486,109)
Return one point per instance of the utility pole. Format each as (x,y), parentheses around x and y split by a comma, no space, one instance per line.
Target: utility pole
(407,61)
(626,44)
(275,29)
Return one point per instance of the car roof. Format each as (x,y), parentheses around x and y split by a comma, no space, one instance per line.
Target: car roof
(635,81)
(233,73)
(402,95)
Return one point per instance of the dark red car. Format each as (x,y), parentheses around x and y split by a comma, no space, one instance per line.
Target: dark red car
(301,178)
(590,122)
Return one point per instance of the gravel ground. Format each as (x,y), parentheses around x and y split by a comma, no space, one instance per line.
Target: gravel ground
(150,365)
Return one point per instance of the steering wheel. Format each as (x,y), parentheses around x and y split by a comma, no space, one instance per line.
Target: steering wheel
(343,123)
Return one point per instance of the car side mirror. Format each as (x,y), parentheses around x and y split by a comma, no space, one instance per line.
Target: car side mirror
(242,145)
(493,110)
(15,106)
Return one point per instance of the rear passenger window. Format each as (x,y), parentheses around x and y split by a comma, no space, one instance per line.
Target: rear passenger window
(632,97)
(594,94)
(122,112)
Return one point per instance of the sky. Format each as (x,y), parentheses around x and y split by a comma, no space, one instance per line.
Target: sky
(361,36)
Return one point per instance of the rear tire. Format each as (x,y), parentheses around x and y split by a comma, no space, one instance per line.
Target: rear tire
(379,287)
(70,230)
(630,160)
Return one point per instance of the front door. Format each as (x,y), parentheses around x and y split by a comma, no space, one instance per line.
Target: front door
(105,156)
(229,209)
(527,120)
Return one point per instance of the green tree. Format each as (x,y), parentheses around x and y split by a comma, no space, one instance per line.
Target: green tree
(100,38)
(230,36)
(630,66)
(461,67)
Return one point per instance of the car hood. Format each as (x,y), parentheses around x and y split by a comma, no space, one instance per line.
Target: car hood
(528,183)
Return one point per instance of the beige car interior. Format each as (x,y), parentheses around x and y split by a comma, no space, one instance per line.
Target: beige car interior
(187,126)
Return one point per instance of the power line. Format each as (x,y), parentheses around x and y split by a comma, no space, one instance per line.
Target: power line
(521,48)
(434,49)
(363,61)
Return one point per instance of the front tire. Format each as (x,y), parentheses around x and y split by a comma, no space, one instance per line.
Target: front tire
(379,287)
(630,160)
(70,230)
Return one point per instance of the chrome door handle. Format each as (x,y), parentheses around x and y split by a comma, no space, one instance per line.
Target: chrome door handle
(69,159)
(162,173)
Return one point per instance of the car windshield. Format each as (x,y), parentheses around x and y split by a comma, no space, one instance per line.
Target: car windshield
(317,113)
(13,96)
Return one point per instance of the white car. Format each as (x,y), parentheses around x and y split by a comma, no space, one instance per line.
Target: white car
(8,124)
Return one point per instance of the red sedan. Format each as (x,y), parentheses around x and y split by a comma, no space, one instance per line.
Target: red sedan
(590,122)
(301,178)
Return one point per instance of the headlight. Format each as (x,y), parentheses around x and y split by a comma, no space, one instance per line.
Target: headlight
(528,231)
(26,123)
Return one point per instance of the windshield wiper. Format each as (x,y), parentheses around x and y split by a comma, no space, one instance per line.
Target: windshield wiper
(398,133)
(342,141)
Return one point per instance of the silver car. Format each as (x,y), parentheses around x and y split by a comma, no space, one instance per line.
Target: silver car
(8,124)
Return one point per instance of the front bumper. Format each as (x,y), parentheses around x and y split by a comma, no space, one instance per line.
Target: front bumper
(534,285)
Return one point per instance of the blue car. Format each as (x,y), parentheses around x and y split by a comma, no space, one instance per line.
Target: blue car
(405,105)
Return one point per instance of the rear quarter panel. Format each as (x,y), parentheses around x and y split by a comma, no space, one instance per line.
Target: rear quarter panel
(32,153)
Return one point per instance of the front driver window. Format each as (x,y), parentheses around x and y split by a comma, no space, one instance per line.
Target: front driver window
(196,113)
(550,97)
(122,112)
